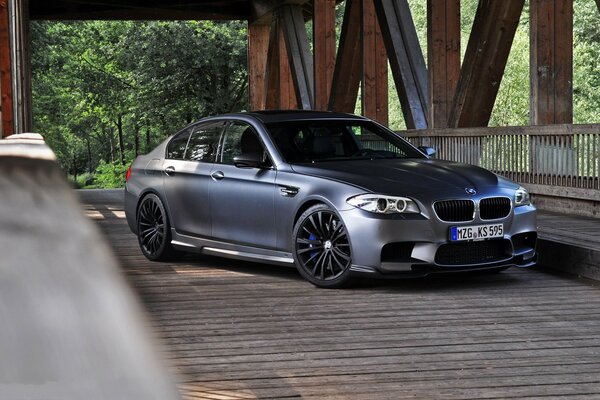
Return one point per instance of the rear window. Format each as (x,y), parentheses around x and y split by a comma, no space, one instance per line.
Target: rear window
(204,142)
(177,145)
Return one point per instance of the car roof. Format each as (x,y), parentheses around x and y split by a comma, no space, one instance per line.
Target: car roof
(296,115)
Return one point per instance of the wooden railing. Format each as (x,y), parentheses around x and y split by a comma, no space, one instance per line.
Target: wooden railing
(558,160)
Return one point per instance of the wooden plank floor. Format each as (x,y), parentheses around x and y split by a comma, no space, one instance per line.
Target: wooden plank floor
(573,230)
(236,330)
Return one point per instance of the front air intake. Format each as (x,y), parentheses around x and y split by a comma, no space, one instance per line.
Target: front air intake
(470,253)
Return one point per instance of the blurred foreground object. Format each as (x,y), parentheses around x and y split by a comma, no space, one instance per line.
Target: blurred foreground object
(70,326)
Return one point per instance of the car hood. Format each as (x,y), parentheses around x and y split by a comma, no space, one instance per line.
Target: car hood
(405,177)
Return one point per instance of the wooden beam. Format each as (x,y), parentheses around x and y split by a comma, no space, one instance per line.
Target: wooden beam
(551,67)
(287,95)
(563,62)
(139,10)
(5,73)
(324,49)
(272,83)
(260,9)
(299,57)
(375,67)
(23,65)
(258,47)
(348,68)
(149,14)
(406,59)
(484,62)
(279,87)
(443,58)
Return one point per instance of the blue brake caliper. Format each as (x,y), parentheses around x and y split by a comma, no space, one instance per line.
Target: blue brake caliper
(312,237)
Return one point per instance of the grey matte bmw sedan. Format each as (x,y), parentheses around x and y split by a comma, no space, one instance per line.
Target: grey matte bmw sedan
(337,195)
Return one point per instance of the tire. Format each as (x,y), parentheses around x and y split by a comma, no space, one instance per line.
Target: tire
(322,251)
(154,230)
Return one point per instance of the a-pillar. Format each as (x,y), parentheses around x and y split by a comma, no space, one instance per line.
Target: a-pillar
(551,68)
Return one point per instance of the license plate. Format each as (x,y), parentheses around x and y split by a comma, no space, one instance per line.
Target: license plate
(477,232)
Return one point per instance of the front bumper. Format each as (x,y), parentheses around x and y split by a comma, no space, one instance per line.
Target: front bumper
(417,245)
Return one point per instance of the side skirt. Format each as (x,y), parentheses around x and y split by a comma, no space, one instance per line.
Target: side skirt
(229,250)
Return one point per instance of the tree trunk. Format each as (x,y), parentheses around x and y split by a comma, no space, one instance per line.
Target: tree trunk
(89,154)
(74,168)
(112,147)
(136,132)
(120,133)
(148,140)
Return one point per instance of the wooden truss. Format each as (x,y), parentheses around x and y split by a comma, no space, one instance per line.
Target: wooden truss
(285,74)
(446,92)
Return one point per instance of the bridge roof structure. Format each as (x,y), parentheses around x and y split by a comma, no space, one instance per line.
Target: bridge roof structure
(446,91)
(287,69)
(140,9)
(155,9)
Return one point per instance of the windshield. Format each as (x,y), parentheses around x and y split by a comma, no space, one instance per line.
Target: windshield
(322,140)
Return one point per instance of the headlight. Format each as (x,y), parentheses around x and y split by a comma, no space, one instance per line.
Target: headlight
(381,204)
(522,197)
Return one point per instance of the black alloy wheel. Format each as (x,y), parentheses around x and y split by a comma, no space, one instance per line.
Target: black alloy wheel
(322,247)
(154,233)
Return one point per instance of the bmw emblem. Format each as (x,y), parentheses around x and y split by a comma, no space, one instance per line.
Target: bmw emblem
(470,191)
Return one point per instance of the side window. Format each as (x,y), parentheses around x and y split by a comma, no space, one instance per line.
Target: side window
(176,147)
(204,142)
(240,138)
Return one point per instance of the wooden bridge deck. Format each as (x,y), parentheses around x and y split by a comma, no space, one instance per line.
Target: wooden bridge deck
(236,330)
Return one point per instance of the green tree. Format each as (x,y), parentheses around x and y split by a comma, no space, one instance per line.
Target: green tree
(104,91)
(586,53)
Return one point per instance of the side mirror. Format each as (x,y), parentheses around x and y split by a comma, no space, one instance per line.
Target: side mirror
(428,151)
(248,160)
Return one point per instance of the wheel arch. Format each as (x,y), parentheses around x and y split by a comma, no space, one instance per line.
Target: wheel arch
(155,192)
(340,279)
(308,203)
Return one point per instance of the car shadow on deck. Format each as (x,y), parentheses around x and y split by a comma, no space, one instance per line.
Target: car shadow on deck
(434,282)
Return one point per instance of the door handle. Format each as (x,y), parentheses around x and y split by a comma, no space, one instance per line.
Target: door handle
(217,175)
(170,170)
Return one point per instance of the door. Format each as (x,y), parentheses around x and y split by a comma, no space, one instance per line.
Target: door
(187,179)
(242,199)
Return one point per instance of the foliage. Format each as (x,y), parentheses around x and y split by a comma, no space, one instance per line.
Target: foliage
(512,102)
(105,91)
(110,175)
(586,53)
(83,181)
